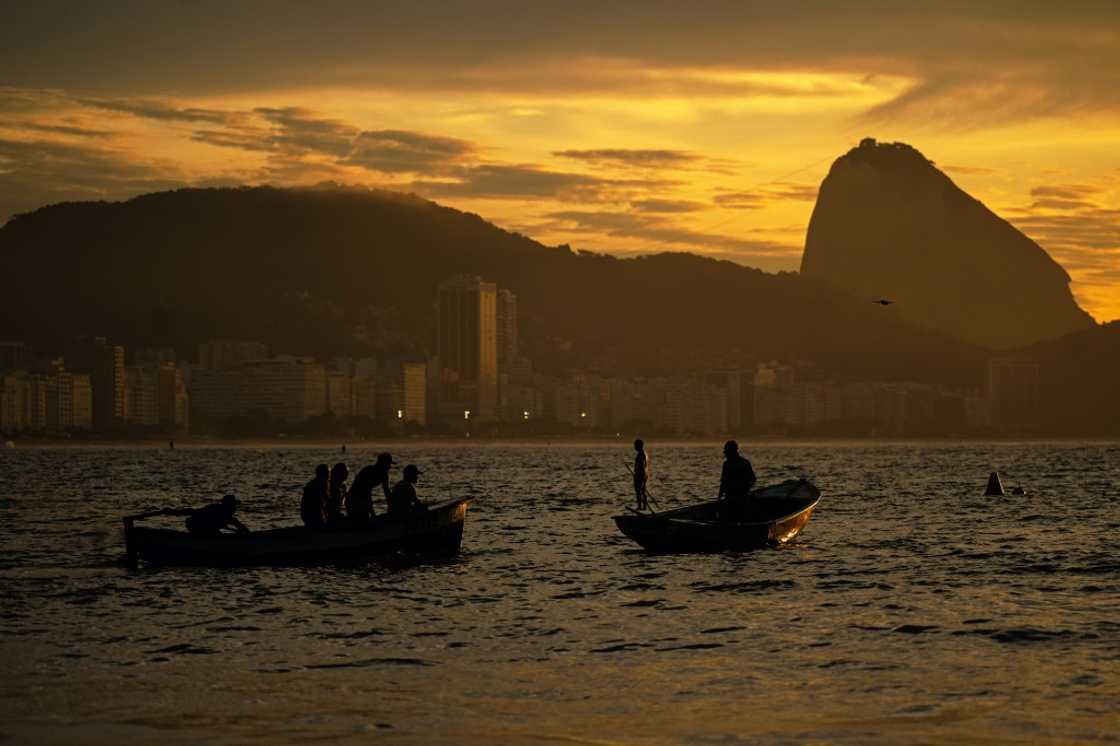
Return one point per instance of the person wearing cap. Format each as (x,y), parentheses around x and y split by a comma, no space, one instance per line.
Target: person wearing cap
(403,500)
(359,501)
(735,482)
(313,504)
(209,520)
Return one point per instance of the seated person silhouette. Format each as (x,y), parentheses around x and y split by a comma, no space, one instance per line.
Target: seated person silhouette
(403,501)
(211,519)
(313,504)
(336,495)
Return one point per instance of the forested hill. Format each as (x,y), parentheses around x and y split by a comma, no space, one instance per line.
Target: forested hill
(307,270)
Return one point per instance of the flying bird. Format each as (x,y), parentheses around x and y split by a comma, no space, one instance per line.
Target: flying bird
(883,302)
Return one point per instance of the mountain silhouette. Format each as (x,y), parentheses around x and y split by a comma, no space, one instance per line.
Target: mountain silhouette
(330,271)
(1077,381)
(889,224)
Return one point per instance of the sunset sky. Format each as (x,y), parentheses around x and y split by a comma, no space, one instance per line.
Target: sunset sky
(619,127)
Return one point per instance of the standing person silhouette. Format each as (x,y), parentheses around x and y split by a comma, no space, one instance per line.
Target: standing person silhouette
(359,500)
(641,475)
(736,481)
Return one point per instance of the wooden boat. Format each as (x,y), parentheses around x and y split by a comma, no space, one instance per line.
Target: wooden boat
(772,516)
(438,530)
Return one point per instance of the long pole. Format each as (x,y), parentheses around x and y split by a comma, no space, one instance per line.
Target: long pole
(648,493)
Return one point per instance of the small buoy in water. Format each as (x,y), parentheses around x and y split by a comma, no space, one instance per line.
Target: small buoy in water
(171,444)
(344,448)
(995,487)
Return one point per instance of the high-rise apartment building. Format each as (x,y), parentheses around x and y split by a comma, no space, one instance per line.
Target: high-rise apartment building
(213,395)
(15,389)
(14,355)
(104,363)
(141,396)
(414,389)
(468,348)
(55,401)
(173,399)
(731,382)
(507,329)
(69,401)
(1012,390)
(220,354)
(340,394)
(81,388)
(38,384)
(287,388)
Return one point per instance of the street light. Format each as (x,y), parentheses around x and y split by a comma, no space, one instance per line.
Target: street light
(400,414)
(525,415)
(466,414)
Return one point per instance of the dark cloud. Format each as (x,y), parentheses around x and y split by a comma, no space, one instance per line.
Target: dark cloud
(15,101)
(658,230)
(650,160)
(241,140)
(1083,235)
(970,170)
(37,173)
(740,200)
(527,181)
(1060,198)
(300,130)
(996,61)
(762,196)
(786,190)
(58,129)
(666,205)
(1054,203)
(1084,229)
(660,159)
(401,151)
(149,109)
(291,133)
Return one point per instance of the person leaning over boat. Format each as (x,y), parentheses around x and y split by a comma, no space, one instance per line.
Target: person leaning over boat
(735,483)
(336,494)
(641,474)
(359,501)
(403,500)
(313,504)
(209,520)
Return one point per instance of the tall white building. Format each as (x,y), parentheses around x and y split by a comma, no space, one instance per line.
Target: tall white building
(468,348)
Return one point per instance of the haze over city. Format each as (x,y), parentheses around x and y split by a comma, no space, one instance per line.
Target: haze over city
(705,128)
(488,372)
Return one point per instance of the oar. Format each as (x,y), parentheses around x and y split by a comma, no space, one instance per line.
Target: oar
(130,551)
(648,493)
(160,511)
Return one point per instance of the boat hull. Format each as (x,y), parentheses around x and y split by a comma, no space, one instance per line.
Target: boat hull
(774,517)
(439,530)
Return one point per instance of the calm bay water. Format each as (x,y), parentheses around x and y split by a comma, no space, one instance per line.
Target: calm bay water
(912,609)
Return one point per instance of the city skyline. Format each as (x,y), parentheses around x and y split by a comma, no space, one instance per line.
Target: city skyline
(235,383)
(652,130)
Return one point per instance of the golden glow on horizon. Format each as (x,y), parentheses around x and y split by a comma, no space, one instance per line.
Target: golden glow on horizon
(605,154)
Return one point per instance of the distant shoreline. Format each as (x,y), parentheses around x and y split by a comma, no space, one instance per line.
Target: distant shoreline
(357,446)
